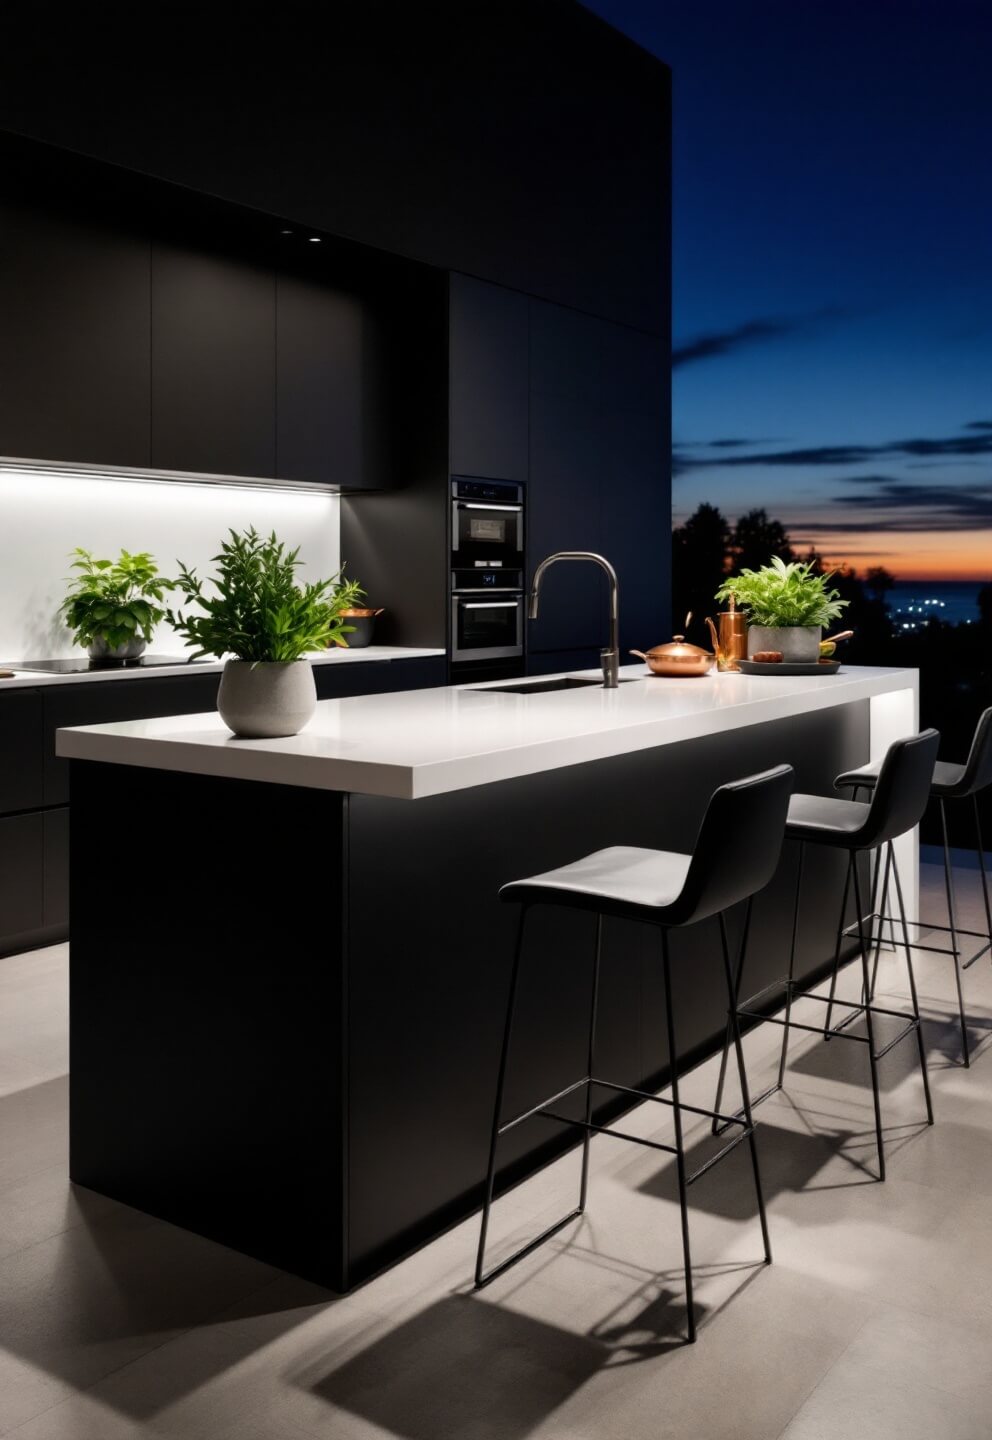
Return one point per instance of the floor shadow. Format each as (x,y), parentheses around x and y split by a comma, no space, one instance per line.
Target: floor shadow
(454,1367)
(789,1160)
(98,1285)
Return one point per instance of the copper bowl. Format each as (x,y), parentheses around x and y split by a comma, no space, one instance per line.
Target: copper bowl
(677,658)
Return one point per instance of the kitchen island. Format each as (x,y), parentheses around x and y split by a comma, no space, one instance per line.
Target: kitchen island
(295,1053)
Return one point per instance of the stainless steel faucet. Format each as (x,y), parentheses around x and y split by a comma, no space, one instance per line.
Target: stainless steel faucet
(610,658)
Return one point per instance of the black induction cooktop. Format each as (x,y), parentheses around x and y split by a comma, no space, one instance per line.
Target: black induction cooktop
(81,665)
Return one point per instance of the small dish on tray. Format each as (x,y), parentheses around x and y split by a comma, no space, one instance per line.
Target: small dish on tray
(785,667)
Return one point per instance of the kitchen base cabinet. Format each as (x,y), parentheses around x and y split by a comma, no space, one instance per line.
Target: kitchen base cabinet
(34,847)
(22,886)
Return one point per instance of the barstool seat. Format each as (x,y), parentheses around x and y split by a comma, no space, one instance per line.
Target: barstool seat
(950,782)
(947,778)
(898,800)
(824,820)
(618,878)
(735,855)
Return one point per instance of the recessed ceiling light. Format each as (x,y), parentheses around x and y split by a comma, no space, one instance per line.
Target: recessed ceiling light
(285,232)
(314,239)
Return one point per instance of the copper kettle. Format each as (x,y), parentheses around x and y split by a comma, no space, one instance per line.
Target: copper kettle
(678,657)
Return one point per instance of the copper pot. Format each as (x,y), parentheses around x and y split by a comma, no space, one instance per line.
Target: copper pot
(677,658)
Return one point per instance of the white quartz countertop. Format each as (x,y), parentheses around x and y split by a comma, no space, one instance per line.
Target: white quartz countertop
(416,743)
(101,676)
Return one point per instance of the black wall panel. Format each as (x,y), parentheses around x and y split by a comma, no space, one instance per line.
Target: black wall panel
(522,141)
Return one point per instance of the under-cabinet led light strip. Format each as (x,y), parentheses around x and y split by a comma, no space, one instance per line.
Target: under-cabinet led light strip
(162,477)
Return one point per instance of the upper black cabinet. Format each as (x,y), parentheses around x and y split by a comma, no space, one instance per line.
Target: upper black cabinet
(213,363)
(488,378)
(75,348)
(598,477)
(331,417)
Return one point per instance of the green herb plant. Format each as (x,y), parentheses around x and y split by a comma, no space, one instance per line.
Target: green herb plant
(779,594)
(115,601)
(258,611)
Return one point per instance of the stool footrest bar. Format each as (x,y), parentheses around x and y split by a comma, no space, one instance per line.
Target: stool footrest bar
(595,1129)
(526,1250)
(895,1041)
(720,1155)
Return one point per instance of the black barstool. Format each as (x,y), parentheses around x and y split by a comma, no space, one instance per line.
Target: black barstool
(897,804)
(671,890)
(950,782)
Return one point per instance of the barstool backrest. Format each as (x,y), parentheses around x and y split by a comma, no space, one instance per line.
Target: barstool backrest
(978,766)
(903,789)
(739,843)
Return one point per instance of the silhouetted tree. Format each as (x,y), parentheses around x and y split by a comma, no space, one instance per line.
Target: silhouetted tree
(985,604)
(878,582)
(699,563)
(756,539)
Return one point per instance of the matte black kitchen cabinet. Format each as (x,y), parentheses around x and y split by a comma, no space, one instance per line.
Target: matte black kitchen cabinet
(21,751)
(102,702)
(488,380)
(213,358)
(22,888)
(598,478)
(75,339)
(378,677)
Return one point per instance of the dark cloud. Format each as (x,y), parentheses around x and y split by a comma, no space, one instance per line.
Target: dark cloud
(946,446)
(901,505)
(724,342)
(979,425)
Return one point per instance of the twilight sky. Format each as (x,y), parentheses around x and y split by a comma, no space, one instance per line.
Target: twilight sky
(833,269)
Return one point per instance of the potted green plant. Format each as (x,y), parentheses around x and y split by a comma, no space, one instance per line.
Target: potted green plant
(263,624)
(786,605)
(113,606)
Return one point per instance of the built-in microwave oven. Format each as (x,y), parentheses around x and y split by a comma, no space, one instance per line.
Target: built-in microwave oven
(487,524)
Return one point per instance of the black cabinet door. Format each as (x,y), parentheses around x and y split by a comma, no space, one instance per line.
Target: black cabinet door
(75,339)
(331,408)
(488,377)
(567,460)
(22,893)
(105,701)
(213,363)
(21,750)
(377,677)
(56,868)
(599,460)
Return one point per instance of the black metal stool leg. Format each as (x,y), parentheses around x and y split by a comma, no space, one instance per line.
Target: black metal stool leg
(717,1127)
(745,1095)
(679,1149)
(591,1067)
(912,985)
(981,864)
(952,927)
(879,906)
(790,986)
(851,862)
(497,1108)
(872,1058)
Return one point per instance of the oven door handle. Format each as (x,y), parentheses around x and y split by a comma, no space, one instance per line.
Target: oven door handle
(491,604)
(485,505)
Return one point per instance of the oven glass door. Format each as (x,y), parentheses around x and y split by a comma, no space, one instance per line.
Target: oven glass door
(487,629)
(487,531)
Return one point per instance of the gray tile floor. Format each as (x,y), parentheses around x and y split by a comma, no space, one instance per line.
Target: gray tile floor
(875,1320)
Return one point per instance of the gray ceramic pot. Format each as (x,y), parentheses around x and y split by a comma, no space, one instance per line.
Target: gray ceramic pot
(799,644)
(101,653)
(266,699)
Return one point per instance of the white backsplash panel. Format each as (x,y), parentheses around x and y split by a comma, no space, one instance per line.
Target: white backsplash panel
(43,516)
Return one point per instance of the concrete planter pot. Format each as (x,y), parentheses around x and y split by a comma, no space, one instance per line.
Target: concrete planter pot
(799,644)
(101,653)
(266,699)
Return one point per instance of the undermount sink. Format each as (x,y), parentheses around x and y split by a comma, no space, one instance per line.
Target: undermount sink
(542,687)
